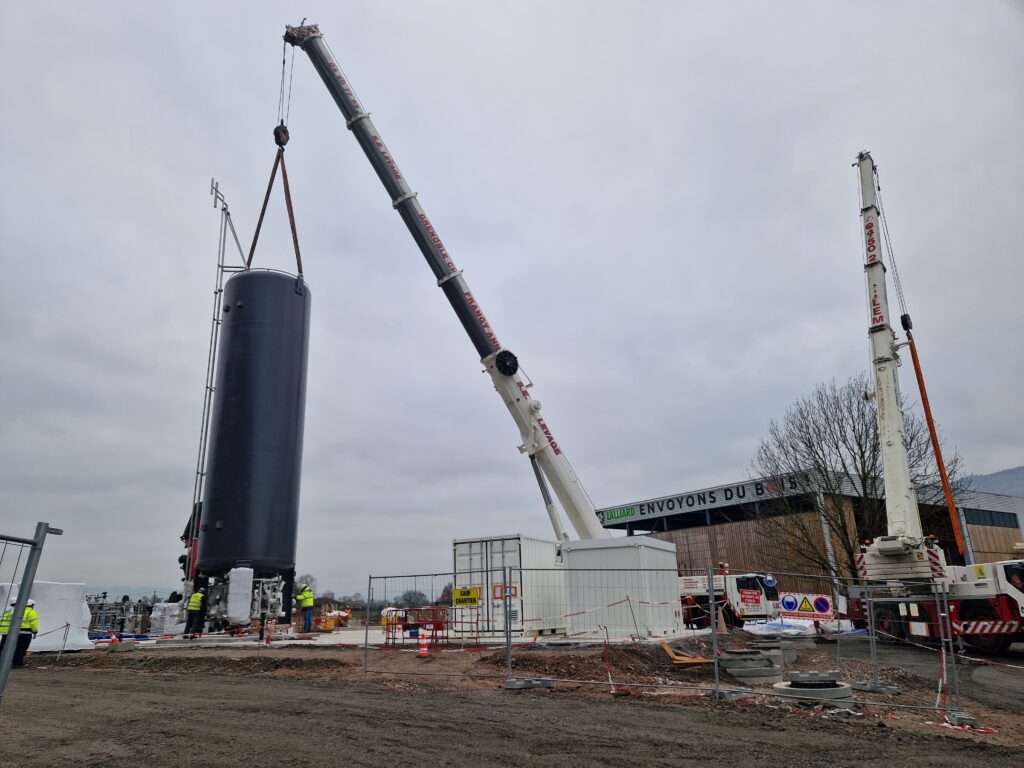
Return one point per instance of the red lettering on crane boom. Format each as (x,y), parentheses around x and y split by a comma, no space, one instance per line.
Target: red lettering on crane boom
(870,241)
(436,240)
(478,313)
(547,433)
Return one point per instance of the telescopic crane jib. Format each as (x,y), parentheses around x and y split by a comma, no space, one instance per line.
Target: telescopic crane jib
(501,364)
(905,552)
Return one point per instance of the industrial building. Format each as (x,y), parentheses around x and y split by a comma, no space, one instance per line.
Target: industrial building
(738,523)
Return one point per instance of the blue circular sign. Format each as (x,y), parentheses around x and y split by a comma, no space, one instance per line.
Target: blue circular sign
(822,604)
(789,602)
(770,581)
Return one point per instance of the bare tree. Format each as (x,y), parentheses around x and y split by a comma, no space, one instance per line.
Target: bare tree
(412,598)
(446,595)
(306,578)
(825,452)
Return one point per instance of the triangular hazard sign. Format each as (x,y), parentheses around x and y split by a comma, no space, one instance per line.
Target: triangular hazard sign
(805,606)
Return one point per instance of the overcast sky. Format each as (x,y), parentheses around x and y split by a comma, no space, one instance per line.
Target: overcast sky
(654,204)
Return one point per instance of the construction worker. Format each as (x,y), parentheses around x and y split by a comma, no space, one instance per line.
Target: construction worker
(29,629)
(194,624)
(5,623)
(305,602)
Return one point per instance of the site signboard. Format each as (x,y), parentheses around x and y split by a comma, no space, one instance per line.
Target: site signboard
(798,605)
(466,597)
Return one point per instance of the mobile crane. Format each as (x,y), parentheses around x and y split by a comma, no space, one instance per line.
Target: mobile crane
(538,442)
(986,601)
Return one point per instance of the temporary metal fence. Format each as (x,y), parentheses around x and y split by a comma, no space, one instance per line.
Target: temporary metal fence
(31,549)
(897,650)
(901,640)
(505,612)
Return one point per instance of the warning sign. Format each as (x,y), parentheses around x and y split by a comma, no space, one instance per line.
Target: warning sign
(750,597)
(801,606)
(466,597)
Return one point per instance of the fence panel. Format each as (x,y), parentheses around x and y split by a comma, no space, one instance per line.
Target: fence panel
(898,648)
(412,620)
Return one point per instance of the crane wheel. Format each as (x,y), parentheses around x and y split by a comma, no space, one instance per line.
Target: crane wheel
(986,643)
(888,623)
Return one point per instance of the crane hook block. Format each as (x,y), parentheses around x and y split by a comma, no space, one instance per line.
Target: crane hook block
(506,363)
(281,134)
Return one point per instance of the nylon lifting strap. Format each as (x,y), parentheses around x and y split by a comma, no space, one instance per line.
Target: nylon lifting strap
(280,138)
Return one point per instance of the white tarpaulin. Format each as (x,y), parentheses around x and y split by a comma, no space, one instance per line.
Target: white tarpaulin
(58,606)
(166,619)
(240,595)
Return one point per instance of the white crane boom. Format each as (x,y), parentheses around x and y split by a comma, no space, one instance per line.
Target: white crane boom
(500,363)
(902,513)
(905,553)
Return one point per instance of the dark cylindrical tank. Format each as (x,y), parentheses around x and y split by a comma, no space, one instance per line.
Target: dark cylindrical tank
(251,498)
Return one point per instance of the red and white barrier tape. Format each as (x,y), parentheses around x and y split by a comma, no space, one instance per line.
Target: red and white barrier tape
(959,655)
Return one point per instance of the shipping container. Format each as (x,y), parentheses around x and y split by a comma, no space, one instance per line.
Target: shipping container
(622,588)
(528,569)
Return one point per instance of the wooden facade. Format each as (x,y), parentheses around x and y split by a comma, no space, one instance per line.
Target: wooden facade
(991,544)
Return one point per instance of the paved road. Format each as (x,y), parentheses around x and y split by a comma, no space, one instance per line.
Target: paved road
(997,682)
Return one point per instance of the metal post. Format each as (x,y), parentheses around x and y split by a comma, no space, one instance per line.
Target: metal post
(713,620)
(839,622)
(636,627)
(872,638)
(826,532)
(954,715)
(941,620)
(952,647)
(507,576)
(24,590)
(366,632)
(875,685)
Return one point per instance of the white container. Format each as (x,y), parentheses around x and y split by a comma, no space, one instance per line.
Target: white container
(622,587)
(529,569)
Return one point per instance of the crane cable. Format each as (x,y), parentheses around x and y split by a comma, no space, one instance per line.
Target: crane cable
(284,105)
(959,523)
(884,226)
(281,136)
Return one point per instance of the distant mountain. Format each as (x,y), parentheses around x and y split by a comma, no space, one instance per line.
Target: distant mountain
(1008,481)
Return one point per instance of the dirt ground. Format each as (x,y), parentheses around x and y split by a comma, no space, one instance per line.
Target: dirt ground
(234,706)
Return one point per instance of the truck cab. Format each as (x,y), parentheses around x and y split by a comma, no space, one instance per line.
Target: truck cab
(743,597)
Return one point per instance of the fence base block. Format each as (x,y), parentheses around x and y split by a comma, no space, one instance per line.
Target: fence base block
(515,684)
(956,717)
(879,688)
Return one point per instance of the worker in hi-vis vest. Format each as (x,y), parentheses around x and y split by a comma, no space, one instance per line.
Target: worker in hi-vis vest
(194,624)
(305,601)
(29,629)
